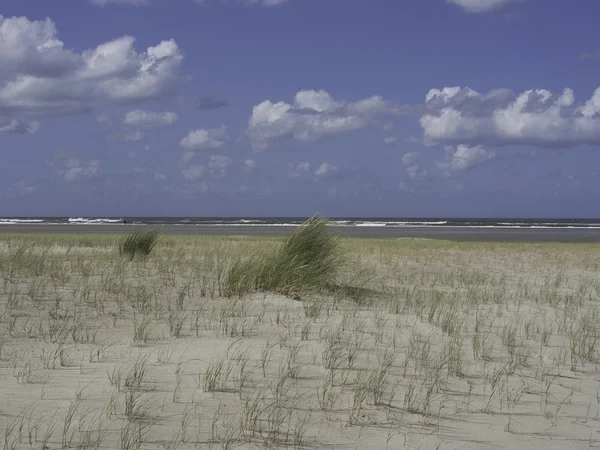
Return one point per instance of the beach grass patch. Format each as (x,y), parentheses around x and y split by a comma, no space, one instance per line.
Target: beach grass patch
(308,259)
(139,243)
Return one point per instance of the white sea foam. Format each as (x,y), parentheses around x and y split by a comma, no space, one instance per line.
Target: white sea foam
(400,224)
(18,221)
(87,221)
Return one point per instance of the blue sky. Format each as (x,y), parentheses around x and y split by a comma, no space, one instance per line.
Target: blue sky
(422,108)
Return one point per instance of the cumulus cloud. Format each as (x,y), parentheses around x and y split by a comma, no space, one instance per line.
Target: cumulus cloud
(412,167)
(141,118)
(249,165)
(208,102)
(411,158)
(193,173)
(217,166)
(300,170)
(464,158)
(325,170)
(313,116)
(306,170)
(74,170)
(535,117)
(481,6)
(18,126)
(205,139)
(133,136)
(390,140)
(38,76)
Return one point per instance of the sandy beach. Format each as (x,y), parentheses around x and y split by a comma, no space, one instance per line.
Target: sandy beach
(428,344)
(494,234)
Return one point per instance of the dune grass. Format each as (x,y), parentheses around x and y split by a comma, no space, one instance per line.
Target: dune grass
(455,345)
(139,243)
(308,260)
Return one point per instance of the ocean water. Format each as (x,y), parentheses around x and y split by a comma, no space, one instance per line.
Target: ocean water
(381,222)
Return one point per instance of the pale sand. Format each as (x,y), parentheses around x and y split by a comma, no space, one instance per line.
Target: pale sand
(448,233)
(493,346)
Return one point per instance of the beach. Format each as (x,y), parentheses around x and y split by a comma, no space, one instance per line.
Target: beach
(438,342)
(481,234)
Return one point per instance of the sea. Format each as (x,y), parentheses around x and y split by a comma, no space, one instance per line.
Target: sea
(380,222)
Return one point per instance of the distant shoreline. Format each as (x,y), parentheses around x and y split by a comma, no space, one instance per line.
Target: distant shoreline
(429,232)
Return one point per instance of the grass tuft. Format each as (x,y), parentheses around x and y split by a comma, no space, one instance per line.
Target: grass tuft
(308,260)
(139,243)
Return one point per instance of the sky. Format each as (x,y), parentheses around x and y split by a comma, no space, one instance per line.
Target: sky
(356,108)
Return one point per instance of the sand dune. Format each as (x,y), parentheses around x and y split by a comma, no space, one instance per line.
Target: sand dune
(442,345)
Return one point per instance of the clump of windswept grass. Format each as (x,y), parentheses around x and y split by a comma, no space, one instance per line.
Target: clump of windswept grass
(309,259)
(139,243)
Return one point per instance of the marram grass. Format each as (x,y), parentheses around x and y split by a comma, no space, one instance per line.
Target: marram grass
(139,243)
(502,334)
(308,260)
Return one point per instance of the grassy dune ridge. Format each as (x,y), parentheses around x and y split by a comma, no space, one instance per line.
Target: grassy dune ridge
(449,345)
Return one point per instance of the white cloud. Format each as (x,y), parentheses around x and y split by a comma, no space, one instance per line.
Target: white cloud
(204,139)
(218,165)
(141,118)
(18,126)
(313,116)
(464,158)
(390,140)
(306,170)
(38,76)
(413,171)
(193,173)
(481,6)
(74,170)
(32,48)
(249,165)
(300,170)
(411,158)
(412,168)
(134,136)
(535,117)
(160,177)
(325,170)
